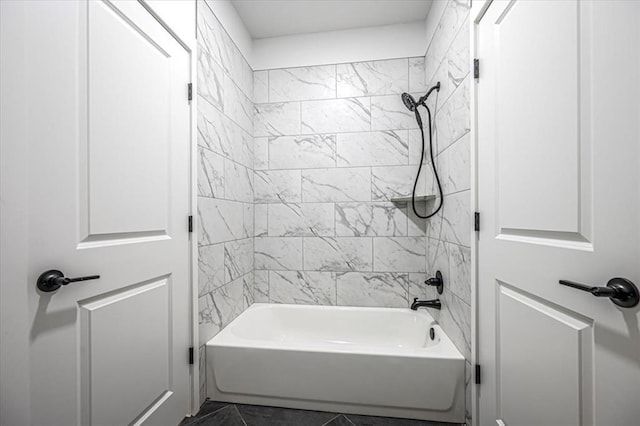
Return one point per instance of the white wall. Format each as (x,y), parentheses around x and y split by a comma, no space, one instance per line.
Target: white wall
(357,45)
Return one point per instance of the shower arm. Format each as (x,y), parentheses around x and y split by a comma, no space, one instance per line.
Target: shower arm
(423,99)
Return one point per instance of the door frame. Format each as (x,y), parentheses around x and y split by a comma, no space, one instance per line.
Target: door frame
(170,16)
(478,9)
(14,228)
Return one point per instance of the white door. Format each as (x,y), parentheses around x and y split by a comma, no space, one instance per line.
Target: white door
(108,190)
(558,142)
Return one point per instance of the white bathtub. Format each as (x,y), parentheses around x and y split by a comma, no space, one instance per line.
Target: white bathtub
(375,361)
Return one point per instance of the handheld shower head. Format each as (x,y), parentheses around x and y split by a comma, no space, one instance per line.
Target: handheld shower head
(409,101)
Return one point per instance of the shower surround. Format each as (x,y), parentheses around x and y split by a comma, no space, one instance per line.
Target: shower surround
(449,233)
(333,145)
(297,169)
(225,181)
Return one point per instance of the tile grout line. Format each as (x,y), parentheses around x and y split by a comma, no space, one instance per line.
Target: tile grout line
(196,417)
(240,415)
(330,420)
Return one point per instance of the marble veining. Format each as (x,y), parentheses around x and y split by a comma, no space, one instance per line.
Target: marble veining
(372,78)
(452,19)
(370,220)
(459,271)
(210,33)
(210,268)
(456,317)
(453,120)
(455,166)
(261,220)
(437,256)
(277,186)
(385,148)
(449,232)
(218,220)
(456,220)
(296,169)
(417,287)
(210,174)
(248,290)
(415,146)
(261,153)
(334,185)
(303,83)
(238,183)
(389,113)
(337,254)
(221,135)
(277,119)
(260,87)
(237,105)
(417,79)
(336,115)
(219,307)
(214,39)
(278,253)
(302,287)
(210,79)
(396,181)
(325,171)
(248,220)
(238,258)
(225,217)
(300,220)
(399,254)
(261,284)
(302,152)
(376,289)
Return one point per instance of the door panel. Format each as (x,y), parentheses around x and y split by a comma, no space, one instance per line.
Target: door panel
(128,167)
(541,108)
(552,340)
(109,194)
(113,360)
(558,159)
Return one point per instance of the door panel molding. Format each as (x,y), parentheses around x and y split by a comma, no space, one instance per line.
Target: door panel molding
(555,204)
(126,334)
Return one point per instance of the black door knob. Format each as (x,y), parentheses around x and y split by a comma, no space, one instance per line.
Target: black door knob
(621,291)
(53,279)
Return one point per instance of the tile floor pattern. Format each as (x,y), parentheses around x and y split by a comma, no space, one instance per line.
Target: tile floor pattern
(225,414)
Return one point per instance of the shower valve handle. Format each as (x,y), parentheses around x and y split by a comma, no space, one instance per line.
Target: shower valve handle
(621,291)
(437,282)
(53,279)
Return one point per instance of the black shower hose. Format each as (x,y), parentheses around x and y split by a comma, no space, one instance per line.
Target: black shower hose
(433,166)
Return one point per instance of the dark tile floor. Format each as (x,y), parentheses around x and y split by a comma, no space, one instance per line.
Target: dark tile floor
(225,414)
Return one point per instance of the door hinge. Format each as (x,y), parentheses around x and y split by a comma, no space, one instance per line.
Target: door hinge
(476,221)
(476,68)
(478,370)
(190,91)
(191,355)
(190,223)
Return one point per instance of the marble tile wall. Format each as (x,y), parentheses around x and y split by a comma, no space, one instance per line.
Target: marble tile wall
(449,234)
(297,170)
(333,145)
(225,180)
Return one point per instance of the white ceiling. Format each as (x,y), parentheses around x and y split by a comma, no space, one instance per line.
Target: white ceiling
(273,18)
